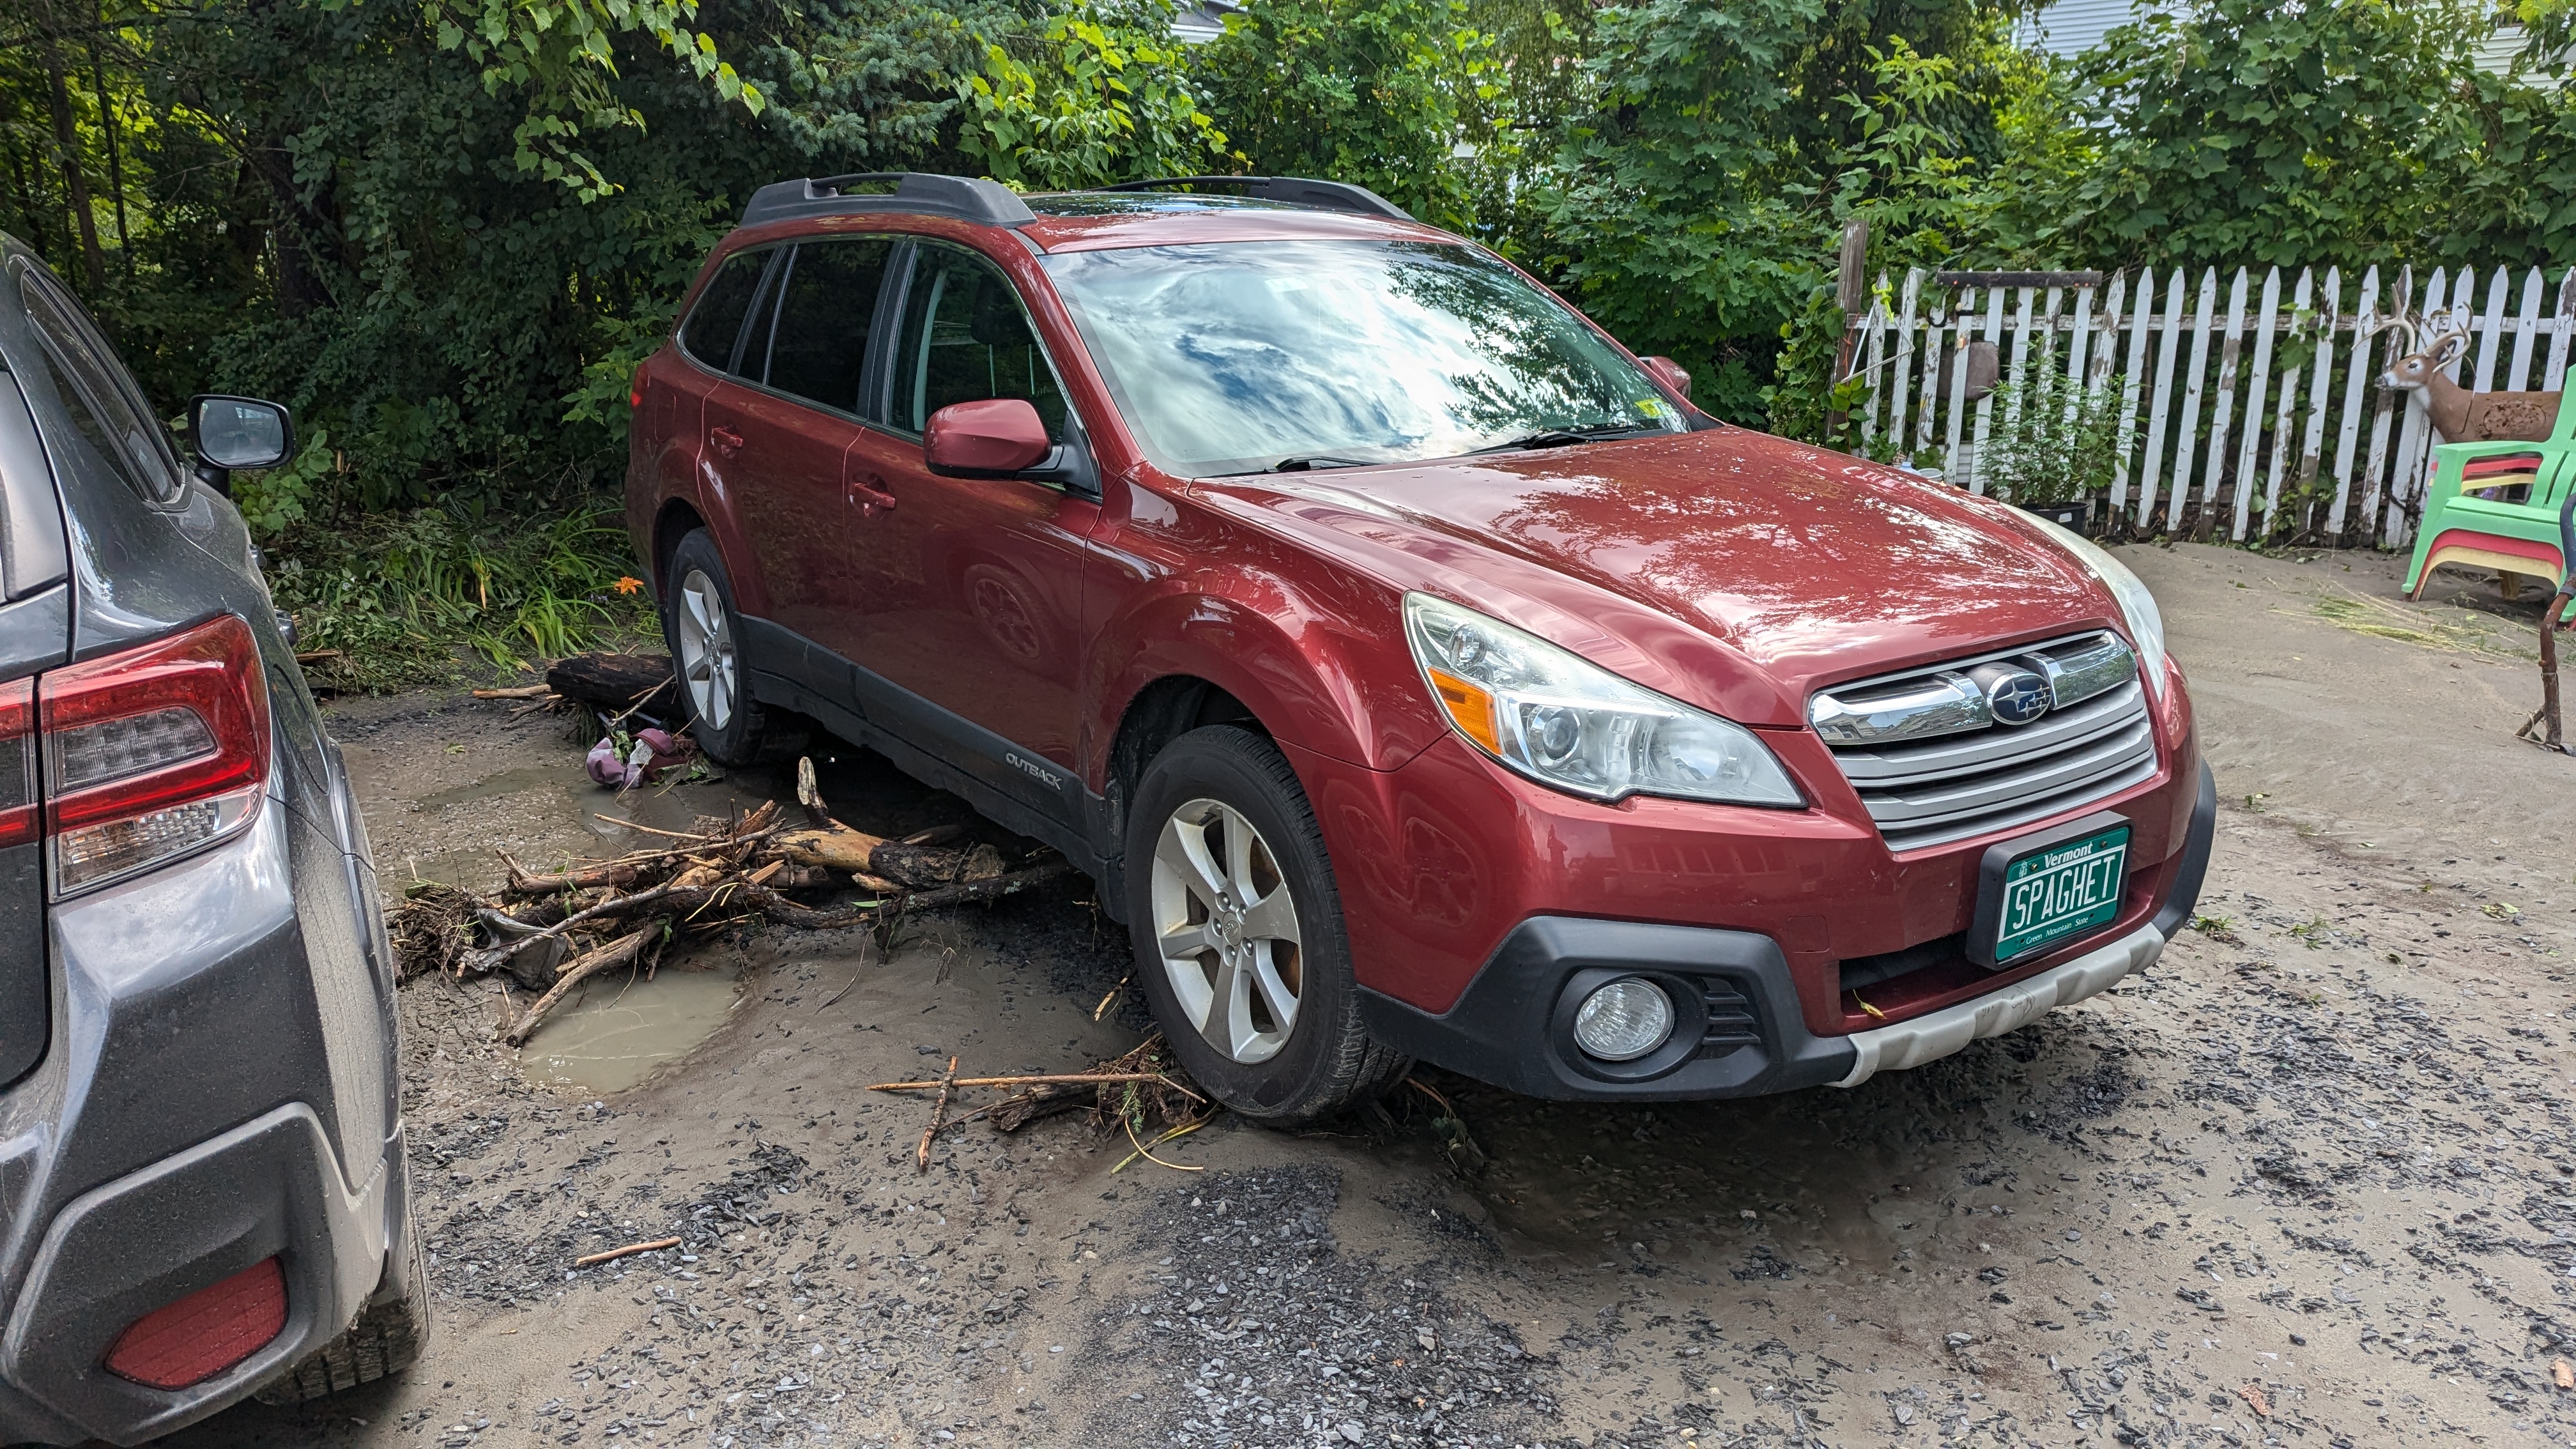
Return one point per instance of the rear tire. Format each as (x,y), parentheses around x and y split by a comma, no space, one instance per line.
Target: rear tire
(386,1339)
(703,628)
(1239,933)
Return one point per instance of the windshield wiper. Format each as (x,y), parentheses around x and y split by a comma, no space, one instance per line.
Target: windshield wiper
(1563,437)
(1304,462)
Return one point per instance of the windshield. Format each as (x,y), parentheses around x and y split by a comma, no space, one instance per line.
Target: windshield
(1235,357)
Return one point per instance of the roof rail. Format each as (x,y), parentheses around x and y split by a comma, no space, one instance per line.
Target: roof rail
(916,192)
(1292,190)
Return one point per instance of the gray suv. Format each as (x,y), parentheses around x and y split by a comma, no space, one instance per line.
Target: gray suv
(202,1191)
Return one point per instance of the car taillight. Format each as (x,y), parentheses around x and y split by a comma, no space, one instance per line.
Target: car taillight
(18,807)
(151,752)
(635,390)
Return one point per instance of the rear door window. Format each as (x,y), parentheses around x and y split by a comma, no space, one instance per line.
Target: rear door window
(99,400)
(826,308)
(715,324)
(964,338)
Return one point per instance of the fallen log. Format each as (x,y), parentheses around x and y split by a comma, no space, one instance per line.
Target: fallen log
(617,682)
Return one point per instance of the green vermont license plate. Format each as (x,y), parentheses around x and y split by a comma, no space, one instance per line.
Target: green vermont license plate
(2061,891)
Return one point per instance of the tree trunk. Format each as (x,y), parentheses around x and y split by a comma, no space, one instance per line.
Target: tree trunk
(115,152)
(67,145)
(22,188)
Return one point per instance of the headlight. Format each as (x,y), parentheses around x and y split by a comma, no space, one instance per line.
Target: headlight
(2146,622)
(1573,725)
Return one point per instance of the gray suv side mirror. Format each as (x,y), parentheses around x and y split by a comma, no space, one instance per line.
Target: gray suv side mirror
(236,432)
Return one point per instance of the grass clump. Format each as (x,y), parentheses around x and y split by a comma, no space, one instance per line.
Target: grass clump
(395,600)
(2429,626)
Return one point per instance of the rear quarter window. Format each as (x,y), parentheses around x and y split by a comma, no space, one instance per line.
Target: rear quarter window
(714,327)
(98,411)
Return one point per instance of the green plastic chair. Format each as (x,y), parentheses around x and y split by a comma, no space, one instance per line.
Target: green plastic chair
(2515,531)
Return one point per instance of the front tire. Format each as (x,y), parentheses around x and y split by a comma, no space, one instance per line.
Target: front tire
(1239,933)
(703,628)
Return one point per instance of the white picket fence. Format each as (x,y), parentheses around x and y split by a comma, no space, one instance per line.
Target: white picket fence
(2215,453)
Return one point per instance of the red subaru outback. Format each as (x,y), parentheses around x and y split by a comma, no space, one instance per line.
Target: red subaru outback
(1416,671)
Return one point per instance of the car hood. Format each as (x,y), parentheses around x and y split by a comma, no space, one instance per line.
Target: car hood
(1729,568)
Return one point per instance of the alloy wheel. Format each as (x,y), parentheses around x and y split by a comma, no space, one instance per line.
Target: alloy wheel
(708,663)
(1226,928)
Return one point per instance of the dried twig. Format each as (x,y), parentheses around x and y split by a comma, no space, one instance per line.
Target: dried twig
(629,1250)
(1102,1009)
(647,829)
(1144,1151)
(938,1109)
(516,691)
(1051,1079)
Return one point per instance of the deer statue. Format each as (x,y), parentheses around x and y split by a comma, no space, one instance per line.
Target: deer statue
(2462,416)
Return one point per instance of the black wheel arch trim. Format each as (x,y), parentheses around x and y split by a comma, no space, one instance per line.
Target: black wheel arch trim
(2183,896)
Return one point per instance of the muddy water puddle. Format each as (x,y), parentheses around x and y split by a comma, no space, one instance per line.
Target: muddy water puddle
(529,798)
(615,1033)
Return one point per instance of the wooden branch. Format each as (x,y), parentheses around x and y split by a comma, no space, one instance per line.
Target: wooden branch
(616,906)
(1045,1079)
(982,890)
(589,877)
(524,883)
(629,1250)
(615,953)
(520,691)
(810,797)
(938,1109)
(832,845)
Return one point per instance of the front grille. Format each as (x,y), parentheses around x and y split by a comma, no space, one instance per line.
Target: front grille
(1959,783)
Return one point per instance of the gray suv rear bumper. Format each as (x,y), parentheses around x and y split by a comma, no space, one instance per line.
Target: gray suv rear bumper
(219,1088)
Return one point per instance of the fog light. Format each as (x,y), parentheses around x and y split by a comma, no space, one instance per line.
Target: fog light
(1624,1020)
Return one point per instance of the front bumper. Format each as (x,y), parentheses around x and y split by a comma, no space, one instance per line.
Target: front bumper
(1742,1030)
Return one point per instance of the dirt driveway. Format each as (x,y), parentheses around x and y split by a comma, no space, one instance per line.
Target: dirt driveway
(2308,1181)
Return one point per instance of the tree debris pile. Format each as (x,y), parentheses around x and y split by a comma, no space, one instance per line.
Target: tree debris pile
(549,931)
(1135,1093)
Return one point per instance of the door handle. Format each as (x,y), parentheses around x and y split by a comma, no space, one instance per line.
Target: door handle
(868,491)
(727,441)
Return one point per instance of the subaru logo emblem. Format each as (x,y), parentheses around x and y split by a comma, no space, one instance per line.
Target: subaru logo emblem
(2018,698)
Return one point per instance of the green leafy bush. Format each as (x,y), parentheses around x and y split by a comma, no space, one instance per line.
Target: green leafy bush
(390,600)
(1384,93)
(2054,439)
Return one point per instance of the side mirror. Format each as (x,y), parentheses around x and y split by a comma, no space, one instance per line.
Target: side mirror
(236,432)
(995,437)
(1669,373)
